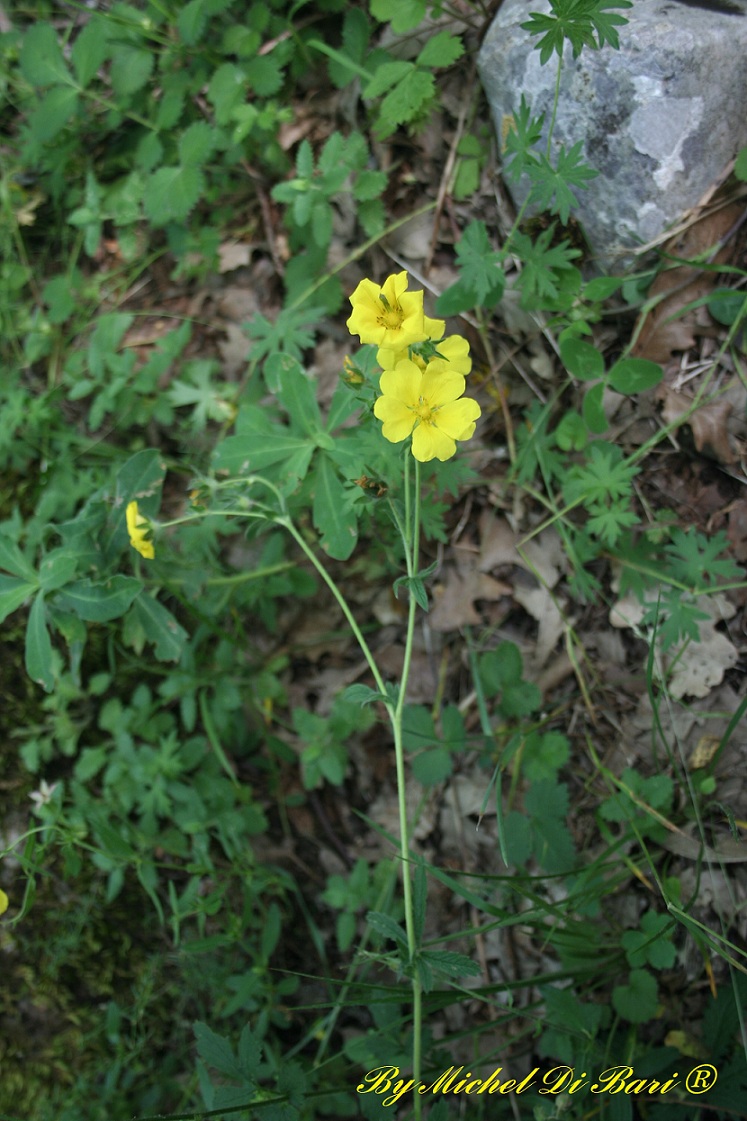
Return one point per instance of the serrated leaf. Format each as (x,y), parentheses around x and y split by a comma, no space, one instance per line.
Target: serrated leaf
(41,59)
(408,98)
(171,193)
(89,52)
(333,513)
(99,602)
(191,21)
(216,1051)
(39,646)
(242,455)
(403,14)
(387,927)
(130,69)
(386,75)
(52,113)
(363,695)
(442,50)
(196,144)
(265,75)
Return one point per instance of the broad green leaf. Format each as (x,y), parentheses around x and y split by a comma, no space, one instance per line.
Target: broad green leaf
(582,360)
(139,480)
(295,390)
(594,414)
(13,560)
(362,695)
(160,628)
(13,593)
(637,1001)
(634,375)
(171,193)
(433,766)
(245,454)
(333,513)
(265,74)
(99,603)
(57,568)
(41,59)
(39,646)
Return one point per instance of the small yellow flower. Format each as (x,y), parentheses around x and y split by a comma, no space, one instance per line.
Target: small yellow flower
(428,404)
(137,527)
(389,315)
(3,902)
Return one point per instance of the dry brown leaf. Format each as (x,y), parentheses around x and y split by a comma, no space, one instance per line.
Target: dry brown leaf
(454,596)
(664,330)
(233,255)
(709,424)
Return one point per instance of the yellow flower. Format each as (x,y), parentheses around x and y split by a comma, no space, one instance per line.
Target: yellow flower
(389,315)
(428,404)
(451,354)
(3,902)
(137,527)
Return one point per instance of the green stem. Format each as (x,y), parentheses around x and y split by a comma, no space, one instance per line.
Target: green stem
(412,544)
(285,521)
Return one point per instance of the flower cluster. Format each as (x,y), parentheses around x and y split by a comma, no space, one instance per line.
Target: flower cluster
(423,376)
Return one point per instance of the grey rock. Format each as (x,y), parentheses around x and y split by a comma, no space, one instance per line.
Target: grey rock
(659,119)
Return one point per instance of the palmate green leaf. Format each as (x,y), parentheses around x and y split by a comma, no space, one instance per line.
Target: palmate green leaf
(291,332)
(481,266)
(541,265)
(171,192)
(551,186)
(387,927)
(524,134)
(582,23)
(386,76)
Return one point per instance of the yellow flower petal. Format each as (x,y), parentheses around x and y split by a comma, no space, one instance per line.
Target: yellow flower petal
(403,382)
(137,527)
(4,901)
(457,420)
(398,418)
(429,442)
(439,388)
(455,350)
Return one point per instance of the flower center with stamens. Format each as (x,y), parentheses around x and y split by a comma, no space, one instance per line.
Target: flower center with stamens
(424,411)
